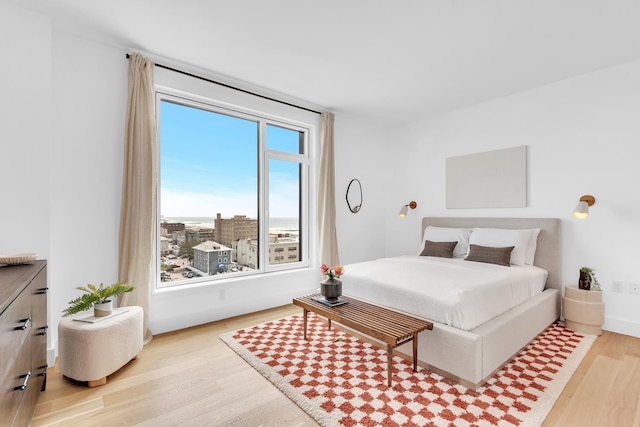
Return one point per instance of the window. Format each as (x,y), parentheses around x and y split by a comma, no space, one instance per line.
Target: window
(233,187)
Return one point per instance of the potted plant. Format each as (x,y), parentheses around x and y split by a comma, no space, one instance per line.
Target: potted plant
(331,288)
(588,280)
(98,298)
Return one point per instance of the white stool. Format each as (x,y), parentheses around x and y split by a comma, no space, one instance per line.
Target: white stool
(91,351)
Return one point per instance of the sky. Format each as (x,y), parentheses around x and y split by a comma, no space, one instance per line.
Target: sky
(209,164)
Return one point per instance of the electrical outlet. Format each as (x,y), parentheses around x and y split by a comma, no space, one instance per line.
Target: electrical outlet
(617,286)
(634,288)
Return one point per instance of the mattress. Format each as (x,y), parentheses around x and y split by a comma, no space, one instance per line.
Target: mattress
(458,293)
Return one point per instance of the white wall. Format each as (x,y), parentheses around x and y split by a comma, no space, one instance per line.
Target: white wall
(357,155)
(25,137)
(25,140)
(582,135)
(89,97)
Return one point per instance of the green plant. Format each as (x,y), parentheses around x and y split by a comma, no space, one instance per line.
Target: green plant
(95,295)
(591,278)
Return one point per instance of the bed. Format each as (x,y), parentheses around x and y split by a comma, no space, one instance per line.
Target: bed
(483,313)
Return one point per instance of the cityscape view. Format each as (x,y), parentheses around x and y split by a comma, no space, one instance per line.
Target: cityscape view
(210,164)
(190,247)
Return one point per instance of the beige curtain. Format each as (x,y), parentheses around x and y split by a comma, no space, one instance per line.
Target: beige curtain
(327,238)
(138,211)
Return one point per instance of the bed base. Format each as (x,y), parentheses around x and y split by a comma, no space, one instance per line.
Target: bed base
(472,357)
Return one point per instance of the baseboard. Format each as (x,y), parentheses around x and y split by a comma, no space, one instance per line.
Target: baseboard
(621,326)
(51,357)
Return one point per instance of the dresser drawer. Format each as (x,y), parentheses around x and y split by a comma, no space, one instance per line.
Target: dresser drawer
(12,396)
(15,327)
(23,341)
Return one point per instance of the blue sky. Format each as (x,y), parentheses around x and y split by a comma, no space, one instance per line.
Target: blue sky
(209,164)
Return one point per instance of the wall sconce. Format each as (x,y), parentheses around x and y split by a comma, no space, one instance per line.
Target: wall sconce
(405,209)
(582,208)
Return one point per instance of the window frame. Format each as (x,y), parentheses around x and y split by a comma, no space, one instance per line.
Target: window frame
(304,159)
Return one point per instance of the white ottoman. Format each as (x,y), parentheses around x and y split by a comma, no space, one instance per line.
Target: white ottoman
(91,351)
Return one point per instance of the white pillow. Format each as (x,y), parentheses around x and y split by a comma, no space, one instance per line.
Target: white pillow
(502,237)
(444,234)
(531,247)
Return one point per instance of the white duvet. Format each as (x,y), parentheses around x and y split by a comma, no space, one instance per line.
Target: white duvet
(462,294)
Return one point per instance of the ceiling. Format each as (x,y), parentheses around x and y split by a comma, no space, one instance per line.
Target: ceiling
(389,61)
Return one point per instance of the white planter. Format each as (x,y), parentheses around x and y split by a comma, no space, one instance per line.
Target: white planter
(103,309)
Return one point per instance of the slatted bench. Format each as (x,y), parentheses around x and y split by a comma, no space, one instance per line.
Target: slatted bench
(386,325)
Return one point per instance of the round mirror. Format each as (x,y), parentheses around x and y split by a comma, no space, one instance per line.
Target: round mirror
(354,196)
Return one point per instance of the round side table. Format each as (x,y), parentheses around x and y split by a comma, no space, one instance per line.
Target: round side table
(583,310)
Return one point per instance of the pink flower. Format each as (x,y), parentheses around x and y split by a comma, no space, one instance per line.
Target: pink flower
(336,272)
(324,268)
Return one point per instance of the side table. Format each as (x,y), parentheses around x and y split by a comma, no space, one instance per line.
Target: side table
(583,310)
(91,351)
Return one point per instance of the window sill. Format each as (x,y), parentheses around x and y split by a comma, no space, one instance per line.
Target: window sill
(232,281)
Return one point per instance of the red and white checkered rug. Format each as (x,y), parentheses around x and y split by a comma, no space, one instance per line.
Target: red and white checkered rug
(341,380)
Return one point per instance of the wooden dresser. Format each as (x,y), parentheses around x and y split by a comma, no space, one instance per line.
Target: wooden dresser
(23,340)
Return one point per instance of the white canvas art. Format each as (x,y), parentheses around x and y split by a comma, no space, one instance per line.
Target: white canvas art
(493,179)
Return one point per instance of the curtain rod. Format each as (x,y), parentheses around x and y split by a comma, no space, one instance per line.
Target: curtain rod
(232,87)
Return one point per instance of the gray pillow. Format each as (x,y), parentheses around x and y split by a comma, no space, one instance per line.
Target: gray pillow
(491,255)
(439,249)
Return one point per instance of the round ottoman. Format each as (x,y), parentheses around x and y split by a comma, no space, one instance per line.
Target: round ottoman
(89,351)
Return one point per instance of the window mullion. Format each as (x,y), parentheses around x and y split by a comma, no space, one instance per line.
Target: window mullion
(263,199)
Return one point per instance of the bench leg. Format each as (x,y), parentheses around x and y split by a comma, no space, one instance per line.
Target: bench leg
(415,352)
(305,316)
(389,360)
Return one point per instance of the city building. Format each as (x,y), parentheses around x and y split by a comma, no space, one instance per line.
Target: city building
(245,252)
(200,234)
(283,248)
(168,228)
(228,230)
(164,246)
(180,237)
(211,257)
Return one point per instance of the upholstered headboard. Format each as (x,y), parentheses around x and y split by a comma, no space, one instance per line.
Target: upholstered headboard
(549,243)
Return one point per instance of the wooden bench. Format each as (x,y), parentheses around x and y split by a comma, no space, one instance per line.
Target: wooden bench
(391,327)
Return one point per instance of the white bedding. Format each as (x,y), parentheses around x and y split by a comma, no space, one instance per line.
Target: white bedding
(462,294)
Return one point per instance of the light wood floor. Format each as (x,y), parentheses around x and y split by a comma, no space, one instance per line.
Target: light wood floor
(191,378)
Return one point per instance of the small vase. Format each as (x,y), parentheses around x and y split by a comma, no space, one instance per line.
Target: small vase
(584,282)
(103,309)
(331,289)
